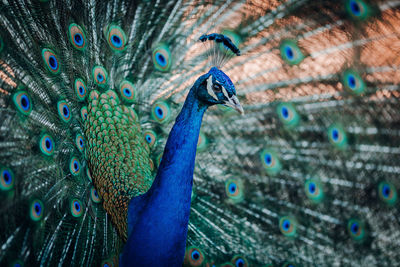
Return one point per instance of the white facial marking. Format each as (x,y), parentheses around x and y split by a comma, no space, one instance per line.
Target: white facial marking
(225,92)
(209,88)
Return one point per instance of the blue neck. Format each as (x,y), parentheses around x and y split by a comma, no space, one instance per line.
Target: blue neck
(158,220)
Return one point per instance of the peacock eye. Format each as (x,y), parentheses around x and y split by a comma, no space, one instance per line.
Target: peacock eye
(217,88)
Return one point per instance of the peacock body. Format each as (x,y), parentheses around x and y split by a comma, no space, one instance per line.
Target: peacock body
(89,94)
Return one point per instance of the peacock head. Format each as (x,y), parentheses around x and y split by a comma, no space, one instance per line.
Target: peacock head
(217,88)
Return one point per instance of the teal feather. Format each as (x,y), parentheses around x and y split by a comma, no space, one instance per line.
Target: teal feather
(318,81)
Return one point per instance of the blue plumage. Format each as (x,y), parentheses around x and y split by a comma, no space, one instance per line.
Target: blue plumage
(158,220)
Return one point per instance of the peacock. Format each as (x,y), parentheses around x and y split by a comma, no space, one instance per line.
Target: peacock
(108,156)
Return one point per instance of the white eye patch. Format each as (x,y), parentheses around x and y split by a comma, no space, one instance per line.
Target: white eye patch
(209,88)
(225,92)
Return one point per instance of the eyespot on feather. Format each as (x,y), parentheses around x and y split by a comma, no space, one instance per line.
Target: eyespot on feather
(288,114)
(46,145)
(51,61)
(150,137)
(64,111)
(36,210)
(74,166)
(337,136)
(358,10)
(162,57)
(76,208)
(77,36)
(314,190)
(194,256)
(240,261)
(387,193)
(100,75)
(79,142)
(353,82)
(84,113)
(234,190)
(127,91)
(290,52)
(116,38)
(270,161)
(94,195)
(356,230)
(80,89)
(22,102)
(288,226)
(161,112)
(7,179)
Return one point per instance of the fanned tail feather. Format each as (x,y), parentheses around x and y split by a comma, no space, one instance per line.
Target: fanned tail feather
(309,175)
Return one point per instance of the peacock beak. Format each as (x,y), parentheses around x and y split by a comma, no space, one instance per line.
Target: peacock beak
(234,103)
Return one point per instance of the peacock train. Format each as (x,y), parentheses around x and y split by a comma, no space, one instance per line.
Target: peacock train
(199,133)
